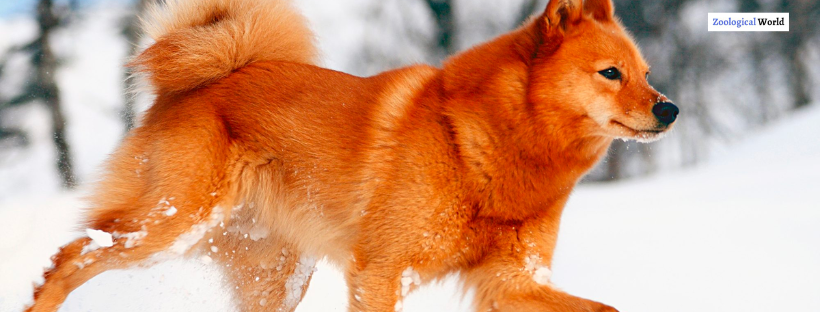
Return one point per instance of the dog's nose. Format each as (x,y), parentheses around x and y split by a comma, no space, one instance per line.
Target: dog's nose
(666,112)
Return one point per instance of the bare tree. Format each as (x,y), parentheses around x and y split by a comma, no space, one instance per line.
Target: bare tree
(44,87)
(803,15)
(41,87)
(131,32)
(446,24)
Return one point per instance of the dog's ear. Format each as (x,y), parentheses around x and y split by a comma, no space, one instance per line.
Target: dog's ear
(560,14)
(601,10)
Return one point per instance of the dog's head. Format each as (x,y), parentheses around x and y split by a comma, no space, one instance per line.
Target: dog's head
(590,67)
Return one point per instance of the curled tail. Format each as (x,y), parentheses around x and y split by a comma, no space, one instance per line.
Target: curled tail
(201,41)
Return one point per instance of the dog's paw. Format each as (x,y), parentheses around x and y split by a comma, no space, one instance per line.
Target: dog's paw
(604,308)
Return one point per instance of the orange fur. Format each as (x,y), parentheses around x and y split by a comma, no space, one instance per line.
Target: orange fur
(399,178)
(201,43)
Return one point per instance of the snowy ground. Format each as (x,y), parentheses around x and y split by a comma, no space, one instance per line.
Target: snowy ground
(738,234)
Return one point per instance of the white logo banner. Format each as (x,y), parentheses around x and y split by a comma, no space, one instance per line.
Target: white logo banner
(748,21)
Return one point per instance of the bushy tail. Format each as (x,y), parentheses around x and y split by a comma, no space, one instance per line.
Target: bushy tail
(201,41)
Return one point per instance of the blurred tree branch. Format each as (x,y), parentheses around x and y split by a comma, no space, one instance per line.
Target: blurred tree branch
(15,135)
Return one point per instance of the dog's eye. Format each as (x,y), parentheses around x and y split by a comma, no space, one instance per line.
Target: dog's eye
(611,73)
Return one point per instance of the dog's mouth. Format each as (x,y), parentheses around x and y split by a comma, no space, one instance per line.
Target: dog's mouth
(643,136)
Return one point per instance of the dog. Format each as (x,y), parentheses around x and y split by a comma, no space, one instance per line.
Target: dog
(256,159)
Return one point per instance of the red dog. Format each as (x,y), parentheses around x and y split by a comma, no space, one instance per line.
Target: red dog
(257,159)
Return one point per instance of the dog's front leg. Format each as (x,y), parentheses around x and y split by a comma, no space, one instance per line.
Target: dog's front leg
(514,275)
(375,286)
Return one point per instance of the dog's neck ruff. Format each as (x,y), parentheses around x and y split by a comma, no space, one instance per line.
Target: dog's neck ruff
(494,123)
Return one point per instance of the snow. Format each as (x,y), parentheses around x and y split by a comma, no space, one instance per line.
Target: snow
(296,282)
(542,275)
(739,234)
(187,240)
(169,286)
(132,239)
(99,239)
(171,211)
(254,231)
(409,277)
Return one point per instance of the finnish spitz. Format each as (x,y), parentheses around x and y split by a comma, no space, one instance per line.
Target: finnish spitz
(255,158)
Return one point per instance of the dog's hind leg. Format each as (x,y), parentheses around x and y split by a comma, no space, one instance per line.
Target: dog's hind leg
(82,259)
(160,196)
(70,269)
(267,274)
